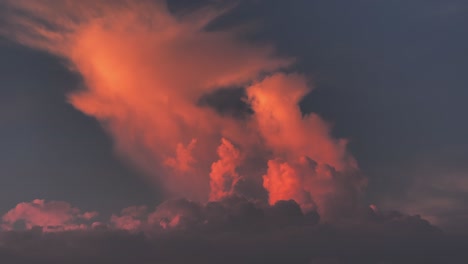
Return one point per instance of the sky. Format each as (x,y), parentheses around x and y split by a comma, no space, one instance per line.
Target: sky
(150,131)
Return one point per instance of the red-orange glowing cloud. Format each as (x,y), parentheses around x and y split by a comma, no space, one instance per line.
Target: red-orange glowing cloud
(305,156)
(275,102)
(223,172)
(144,70)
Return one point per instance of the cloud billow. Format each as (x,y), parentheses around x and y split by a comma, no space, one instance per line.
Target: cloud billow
(234,230)
(145,71)
(269,185)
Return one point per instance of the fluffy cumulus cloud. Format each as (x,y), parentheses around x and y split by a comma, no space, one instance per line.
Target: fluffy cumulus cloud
(308,165)
(49,216)
(130,218)
(266,184)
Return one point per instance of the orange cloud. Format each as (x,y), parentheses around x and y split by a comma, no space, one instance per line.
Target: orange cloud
(223,176)
(284,182)
(306,158)
(275,101)
(184,159)
(144,70)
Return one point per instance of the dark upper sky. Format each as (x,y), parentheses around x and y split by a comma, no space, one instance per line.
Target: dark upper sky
(390,76)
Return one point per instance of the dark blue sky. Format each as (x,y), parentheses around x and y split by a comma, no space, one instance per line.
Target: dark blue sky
(390,76)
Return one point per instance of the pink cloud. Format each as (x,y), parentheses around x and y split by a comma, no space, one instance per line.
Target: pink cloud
(131,218)
(49,215)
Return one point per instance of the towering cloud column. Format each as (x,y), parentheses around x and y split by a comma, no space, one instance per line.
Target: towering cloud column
(144,71)
(223,176)
(308,165)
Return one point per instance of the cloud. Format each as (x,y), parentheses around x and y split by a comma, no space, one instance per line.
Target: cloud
(184,158)
(268,185)
(48,215)
(237,231)
(130,218)
(308,165)
(145,86)
(146,73)
(439,196)
(228,213)
(223,175)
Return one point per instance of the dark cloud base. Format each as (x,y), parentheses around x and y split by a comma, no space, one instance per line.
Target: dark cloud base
(319,244)
(239,231)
